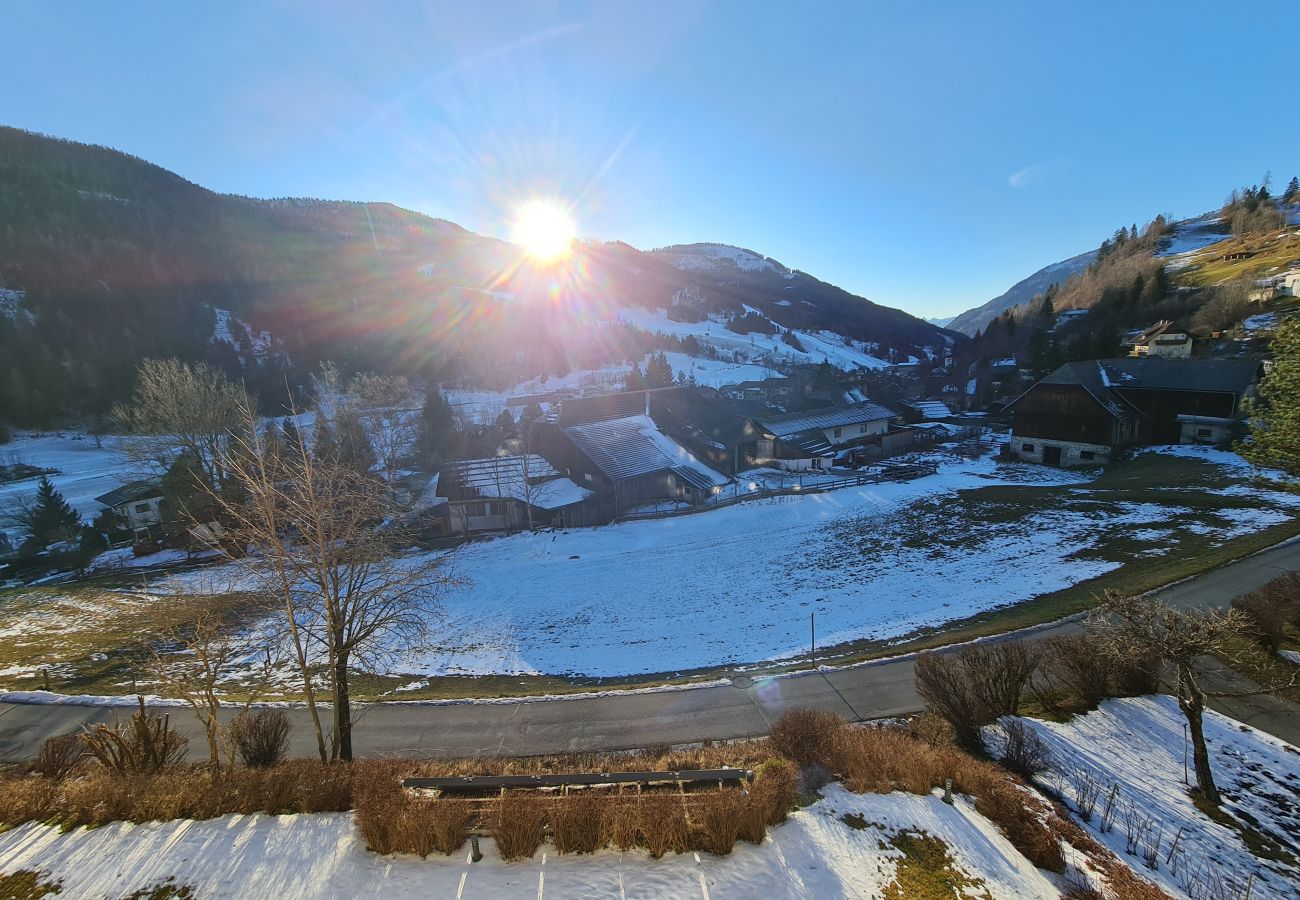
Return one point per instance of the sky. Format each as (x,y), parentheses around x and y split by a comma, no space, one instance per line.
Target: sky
(926,155)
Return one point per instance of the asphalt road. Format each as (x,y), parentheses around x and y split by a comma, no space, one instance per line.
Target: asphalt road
(742,709)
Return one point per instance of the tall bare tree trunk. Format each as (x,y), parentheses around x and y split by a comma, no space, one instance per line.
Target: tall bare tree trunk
(1192,702)
(342,709)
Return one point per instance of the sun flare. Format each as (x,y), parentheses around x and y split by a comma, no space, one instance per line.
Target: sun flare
(544,229)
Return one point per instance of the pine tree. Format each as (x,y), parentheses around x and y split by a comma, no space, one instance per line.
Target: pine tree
(51,519)
(658,372)
(1275,415)
(326,444)
(506,420)
(438,439)
(1292,194)
(355,450)
(635,378)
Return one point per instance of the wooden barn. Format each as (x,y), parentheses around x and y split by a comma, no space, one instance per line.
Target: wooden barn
(1085,411)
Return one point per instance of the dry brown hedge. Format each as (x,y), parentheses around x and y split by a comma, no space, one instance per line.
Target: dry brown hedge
(806,735)
(517,823)
(661,822)
(578,823)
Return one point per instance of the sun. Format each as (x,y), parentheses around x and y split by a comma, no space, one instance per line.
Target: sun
(544,229)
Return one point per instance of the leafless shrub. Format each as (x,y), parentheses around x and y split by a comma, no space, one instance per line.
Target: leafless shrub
(774,789)
(261,738)
(806,735)
(1109,809)
(1137,675)
(517,824)
(27,800)
(1024,753)
(144,744)
(620,823)
(1012,811)
(976,685)
(1151,846)
(1075,663)
(1087,788)
(718,817)
(1271,609)
(577,823)
(1136,825)
(661,821)
(59,755)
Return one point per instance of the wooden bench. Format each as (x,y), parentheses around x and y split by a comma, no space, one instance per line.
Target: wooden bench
(477,783)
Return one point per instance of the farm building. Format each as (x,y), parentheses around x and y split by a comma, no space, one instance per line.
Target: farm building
(625,459)
(506,493)
(812,440)
(1084,411)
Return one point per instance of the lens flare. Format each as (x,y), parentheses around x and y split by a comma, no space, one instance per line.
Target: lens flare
(544,229)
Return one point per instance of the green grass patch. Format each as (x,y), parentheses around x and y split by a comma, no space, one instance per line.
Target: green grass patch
(927,871)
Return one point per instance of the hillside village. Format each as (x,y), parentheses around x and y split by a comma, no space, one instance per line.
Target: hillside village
(729,582)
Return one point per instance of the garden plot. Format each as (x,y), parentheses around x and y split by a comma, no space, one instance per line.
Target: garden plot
(1135,747)
(846,845)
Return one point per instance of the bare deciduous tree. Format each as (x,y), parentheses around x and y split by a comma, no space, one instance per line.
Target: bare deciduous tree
(179,406)
(1145,626)
(195,659)
(384,403)
(324,543)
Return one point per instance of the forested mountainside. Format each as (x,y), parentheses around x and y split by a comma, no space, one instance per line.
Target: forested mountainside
(1209,275)
(973,321)
(106,259)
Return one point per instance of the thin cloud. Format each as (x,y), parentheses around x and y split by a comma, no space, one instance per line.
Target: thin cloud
(1029,175)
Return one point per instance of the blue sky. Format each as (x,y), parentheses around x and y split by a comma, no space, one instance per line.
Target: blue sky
(925,155)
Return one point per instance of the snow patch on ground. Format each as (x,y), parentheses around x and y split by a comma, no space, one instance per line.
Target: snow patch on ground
(1137,744)
(815,854)
(84,470)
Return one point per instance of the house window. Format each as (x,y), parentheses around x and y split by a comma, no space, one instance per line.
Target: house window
(862,430)
(838,431)
(587,475)
(1202,432)
(1087,454)
(1027,448)
(142,507)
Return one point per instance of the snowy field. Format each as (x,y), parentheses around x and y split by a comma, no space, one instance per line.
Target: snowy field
(735,586)
(754,346)
(85,471)
(1137,744)
(815,854)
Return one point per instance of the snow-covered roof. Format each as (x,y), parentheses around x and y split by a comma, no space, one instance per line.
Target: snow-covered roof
(932,409)
(632,445)
(529,479)
(793,423)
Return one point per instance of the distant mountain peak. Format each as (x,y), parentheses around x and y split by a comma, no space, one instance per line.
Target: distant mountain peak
(692,257)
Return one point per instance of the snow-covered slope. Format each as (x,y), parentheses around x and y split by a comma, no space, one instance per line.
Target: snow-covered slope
(756,347)
(817,853)
(1135,746)
(719,257)
(1021,292)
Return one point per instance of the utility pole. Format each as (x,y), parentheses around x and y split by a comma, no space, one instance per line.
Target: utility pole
(812,632)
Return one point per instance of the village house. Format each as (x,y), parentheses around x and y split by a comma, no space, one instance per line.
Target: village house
(610,445)
(1162,339)
(138,504)
(1085,411)
(813,440)
(507,493)
(723,439)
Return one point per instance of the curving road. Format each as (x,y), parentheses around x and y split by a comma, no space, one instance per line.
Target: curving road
(742,709)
